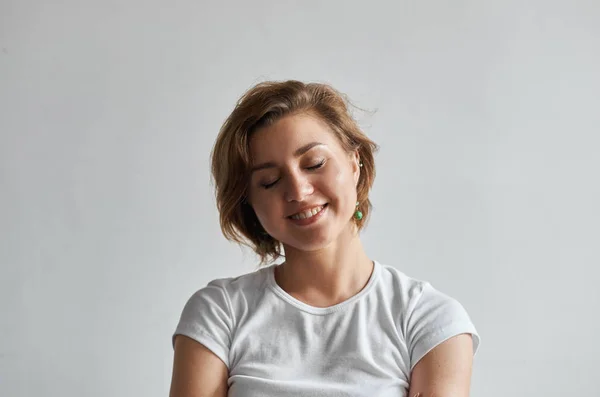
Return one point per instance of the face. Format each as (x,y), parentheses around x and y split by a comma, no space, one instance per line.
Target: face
(303,184)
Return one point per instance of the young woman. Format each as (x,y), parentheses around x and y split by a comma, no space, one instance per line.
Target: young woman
(292,172)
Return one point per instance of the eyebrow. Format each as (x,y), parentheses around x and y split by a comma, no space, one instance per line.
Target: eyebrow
(299,152)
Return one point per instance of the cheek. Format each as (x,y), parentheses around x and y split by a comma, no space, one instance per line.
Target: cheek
(265,208)
(260,208)
(340,186)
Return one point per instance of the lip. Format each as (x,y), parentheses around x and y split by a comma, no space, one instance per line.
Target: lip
(312,219)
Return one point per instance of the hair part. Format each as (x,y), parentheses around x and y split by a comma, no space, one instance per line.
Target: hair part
(262,106)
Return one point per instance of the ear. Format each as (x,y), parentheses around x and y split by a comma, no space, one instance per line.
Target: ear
(355,164)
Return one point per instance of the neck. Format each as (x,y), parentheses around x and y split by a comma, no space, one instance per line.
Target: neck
(328,276)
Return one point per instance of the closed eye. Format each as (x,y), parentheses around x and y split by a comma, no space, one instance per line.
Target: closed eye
(316,166)
(313,167)
(269,185)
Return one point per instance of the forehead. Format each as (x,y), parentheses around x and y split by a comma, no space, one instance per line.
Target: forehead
(289,133)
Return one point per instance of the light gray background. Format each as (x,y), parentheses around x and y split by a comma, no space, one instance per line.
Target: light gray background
(487,113)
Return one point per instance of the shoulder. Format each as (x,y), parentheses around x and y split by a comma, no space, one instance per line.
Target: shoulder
(230,295)
(245,283)
(399,285)
(410,289)
(426,315)
(210,314)
(235,287)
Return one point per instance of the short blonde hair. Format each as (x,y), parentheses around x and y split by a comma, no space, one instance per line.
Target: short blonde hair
(261,106)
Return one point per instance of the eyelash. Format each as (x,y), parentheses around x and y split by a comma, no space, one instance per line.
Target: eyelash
(316,166)
(311,168)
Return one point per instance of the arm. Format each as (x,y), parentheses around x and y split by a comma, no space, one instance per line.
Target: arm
(445,371)
(197,372)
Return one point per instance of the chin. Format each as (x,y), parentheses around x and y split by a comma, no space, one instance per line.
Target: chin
(309,247)
(310,242)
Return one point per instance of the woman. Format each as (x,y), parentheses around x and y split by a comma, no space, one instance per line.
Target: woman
(292,172)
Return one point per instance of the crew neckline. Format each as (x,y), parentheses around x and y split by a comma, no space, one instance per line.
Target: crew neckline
(322,310)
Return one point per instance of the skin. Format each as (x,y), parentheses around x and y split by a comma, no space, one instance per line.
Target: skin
(197,372)
(298,162)
(445,370)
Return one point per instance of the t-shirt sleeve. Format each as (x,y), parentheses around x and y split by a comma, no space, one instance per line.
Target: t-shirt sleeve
(207,319)
(435,318)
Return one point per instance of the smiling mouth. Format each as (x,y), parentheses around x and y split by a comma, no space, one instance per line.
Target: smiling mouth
(308,213)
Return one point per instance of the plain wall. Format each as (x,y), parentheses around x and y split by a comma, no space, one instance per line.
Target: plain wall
(487,113)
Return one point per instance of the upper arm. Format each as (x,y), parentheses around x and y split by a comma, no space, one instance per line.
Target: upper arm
(197,372)
(201,344)
(445,370)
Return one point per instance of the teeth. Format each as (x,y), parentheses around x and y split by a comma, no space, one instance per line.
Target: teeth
(308,213)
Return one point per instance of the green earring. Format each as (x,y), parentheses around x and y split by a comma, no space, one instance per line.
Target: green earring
(357,214)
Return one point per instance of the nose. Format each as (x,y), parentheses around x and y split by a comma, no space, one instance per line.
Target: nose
(297,187)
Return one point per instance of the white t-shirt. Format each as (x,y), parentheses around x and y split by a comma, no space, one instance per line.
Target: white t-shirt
(276,345)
